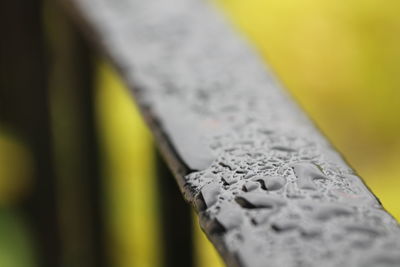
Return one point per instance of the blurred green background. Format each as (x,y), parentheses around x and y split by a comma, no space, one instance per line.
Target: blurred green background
(340,60)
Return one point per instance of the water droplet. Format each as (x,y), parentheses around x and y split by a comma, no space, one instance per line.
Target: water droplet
(250,186)
(284,149)
(271,183)
(284,225)
(228,179)
(328,211)
(226,165)
(208,196)
(229,216)
(306,173)
(249,175)
(363,229)
(254,200)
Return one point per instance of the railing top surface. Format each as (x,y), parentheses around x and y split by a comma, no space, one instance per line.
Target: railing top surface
(268,188)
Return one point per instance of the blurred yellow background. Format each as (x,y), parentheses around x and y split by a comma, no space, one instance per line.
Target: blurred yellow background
(340,60)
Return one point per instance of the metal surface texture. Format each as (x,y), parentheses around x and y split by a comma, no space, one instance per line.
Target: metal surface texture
(268,188)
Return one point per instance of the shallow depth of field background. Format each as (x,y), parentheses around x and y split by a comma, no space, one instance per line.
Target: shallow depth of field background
(339,59)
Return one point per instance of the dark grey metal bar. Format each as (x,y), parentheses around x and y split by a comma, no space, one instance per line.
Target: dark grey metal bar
(268,188)
(176,220)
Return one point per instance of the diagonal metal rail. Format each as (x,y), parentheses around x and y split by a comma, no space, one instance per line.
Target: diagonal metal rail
(268,187)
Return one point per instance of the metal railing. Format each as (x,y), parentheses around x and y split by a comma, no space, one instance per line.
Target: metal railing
(268,188)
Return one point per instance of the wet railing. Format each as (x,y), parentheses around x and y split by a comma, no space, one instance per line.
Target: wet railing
(268,188)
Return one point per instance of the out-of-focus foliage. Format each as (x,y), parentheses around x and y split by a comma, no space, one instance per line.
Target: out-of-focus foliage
(206,255)
(129,178)
(15,244)
(341,60)
(129,175)
(15,169)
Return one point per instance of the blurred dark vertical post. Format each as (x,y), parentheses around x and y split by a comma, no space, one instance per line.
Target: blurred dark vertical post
(24,109)
(176,220)
(47,99)
(73,107)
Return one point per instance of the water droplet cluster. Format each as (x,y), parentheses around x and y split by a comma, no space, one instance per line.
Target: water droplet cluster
(265,202)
